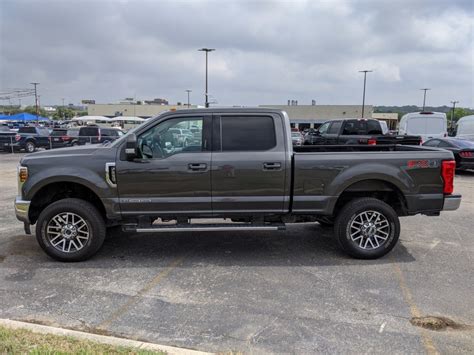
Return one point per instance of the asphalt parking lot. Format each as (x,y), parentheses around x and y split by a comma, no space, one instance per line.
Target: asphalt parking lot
(283,292)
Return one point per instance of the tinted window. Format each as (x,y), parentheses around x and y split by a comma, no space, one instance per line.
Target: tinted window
(27,130)
(432,143)
(89,131)
(247,133)
(443,144)
(43,131)
(335,127)
(353,128)
(57,133)
(373,127)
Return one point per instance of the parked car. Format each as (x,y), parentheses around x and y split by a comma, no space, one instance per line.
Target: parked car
(297,138)
(465,127)
(462,149)
(425,124)
(30,138)
(73,194)
(93,134)
(356,131)
(183,137)
(58,138)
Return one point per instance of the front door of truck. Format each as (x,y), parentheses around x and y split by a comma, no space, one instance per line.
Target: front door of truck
(249,164)
(172,173)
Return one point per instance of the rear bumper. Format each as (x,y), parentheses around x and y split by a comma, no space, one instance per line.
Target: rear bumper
(22,208)
(451,202)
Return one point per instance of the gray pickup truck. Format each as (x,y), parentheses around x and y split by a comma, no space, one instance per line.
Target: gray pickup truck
(240,166)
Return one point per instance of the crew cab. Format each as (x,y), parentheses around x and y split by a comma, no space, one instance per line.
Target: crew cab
(356,131)
(146,182)
(29,138)
(7,137)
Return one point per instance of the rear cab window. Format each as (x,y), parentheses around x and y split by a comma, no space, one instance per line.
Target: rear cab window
(247,133)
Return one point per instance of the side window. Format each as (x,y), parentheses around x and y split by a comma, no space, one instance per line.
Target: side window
(247,133)
(168,138)
(324,128)
(335,127)
(373,127)
(443,144)
(432,143)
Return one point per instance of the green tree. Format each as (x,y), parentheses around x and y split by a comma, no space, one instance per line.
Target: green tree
(32,110)
(63,113)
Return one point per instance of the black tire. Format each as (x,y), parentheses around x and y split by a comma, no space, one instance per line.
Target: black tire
(90,215)
(30,146)
(351,212)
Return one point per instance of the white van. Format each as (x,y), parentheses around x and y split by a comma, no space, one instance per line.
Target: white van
(465,127)
(425,124)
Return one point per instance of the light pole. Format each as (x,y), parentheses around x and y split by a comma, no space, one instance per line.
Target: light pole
(36,102)
(424,97)
(363,95)
(189,91)
(452,113)
(207,50)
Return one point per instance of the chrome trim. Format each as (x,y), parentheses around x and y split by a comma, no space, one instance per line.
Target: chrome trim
(452,202)
(204,229)
(21,209)
(107,174)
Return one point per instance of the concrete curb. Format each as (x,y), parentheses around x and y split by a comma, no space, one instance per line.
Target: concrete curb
(44,329)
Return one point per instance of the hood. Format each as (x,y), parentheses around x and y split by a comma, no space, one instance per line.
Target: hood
(72,152)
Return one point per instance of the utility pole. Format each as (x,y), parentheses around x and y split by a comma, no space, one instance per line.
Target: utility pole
(424,97)
(207,50)
(189,91)
(452,113)
(36,102)
(363,95)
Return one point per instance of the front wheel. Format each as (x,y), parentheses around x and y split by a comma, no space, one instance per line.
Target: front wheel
(367,228)
(70,230)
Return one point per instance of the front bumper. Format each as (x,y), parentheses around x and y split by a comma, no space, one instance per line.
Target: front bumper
(21,209)
(451,202)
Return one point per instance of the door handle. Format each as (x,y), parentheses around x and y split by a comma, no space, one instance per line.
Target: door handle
(271,166)
(197,166)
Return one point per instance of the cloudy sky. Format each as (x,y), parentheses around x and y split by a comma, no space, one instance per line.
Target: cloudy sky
(266,51)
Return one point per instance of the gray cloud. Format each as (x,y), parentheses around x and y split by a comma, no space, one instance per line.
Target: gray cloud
(267,51)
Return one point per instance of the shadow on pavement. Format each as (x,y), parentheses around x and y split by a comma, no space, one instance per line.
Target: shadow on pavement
(299,245)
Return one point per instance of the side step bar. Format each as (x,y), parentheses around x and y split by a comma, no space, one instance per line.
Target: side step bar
(204,228)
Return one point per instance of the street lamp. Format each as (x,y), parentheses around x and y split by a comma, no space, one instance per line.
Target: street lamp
(452,113)
(207,50)
(363,95)
(188,91)
(36,102)
(424,98)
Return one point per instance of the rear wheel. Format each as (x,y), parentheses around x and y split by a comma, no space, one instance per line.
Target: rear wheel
(30,146)
(70,230)
(367,228)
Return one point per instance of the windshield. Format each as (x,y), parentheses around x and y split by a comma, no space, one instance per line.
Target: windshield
(296,135)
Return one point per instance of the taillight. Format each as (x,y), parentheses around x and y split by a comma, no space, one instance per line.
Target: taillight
(447,173)
(17,137)
(22,173)
(372,142)
(467,154)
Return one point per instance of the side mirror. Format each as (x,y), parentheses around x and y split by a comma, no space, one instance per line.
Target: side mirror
(168,145)
(131,147)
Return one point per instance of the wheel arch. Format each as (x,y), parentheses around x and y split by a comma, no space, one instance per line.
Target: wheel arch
(56,191)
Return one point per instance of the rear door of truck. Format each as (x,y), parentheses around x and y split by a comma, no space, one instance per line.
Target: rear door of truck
(250,164)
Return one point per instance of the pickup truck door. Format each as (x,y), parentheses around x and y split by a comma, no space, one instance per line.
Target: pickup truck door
(171,177)
(332,133)
(250,164)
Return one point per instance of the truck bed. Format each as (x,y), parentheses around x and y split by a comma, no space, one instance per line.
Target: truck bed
(359,148)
